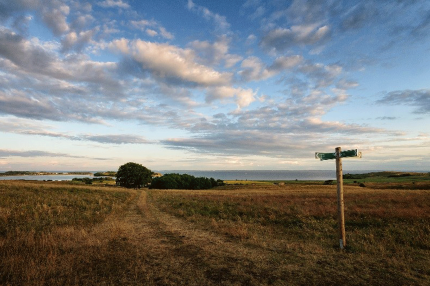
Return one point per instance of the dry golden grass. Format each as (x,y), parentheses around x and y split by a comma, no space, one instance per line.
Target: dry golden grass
(59,234)
(295,226)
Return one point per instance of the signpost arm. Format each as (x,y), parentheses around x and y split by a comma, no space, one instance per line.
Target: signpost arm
(340,204)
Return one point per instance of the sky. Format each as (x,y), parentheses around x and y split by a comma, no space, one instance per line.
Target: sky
(214,85)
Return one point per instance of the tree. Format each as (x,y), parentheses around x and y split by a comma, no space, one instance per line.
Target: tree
(133,175)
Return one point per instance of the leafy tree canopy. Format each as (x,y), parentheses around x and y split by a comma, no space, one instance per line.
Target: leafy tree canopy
(133,175)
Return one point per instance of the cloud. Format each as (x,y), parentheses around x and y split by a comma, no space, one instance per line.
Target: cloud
(285,62)
(215,53)
(322,75)
(38,153)
(418,98)
(21,24)
(244,97)
(291,128)
(386,118)
(255,69)
(171,64)
(281,39)
(24,53)
(166,34)
(115,139)
(67,21)
(143,24)
(258,9)
(21,104)
(421,30)
(151,33)
(39,61)
(55,17)
(36,128)
(307,11)
(77,41)
(220,21)
(257,143)
(8,8)
(113,4)
(81,22)
(360,15)
(250,39)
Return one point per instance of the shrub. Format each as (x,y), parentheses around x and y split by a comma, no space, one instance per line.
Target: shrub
(184,181)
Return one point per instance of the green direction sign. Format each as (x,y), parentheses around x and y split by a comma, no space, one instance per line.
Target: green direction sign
(343,154)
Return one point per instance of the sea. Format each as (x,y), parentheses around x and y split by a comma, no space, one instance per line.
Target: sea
(45,177)
(269,175)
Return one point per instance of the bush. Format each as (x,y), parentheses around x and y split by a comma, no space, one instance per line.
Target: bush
(184,181)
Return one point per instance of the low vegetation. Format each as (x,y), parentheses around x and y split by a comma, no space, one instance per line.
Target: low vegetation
(45,229)
(105,174)
(386,177)
(95,181)
(58,233)
(387,231)
(184,181)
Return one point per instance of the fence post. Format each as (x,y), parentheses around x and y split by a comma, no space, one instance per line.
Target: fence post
(340,203)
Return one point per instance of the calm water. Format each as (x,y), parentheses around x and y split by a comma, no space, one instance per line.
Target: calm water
(45,178)
(223,175)
(265,174)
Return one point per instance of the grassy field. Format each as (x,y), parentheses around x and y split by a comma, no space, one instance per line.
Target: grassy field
(254,233)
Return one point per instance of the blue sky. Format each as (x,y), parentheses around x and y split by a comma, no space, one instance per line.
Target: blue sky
(207,85)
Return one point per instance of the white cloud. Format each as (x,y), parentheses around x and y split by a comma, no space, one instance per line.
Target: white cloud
(113,3)
(243,97)
(254,69)
(166,34)
(142,24)
(151,33)
(77,40)
(171,63)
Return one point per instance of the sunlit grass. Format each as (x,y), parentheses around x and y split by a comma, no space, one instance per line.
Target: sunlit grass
(44,228)
(386,229)
(255,234)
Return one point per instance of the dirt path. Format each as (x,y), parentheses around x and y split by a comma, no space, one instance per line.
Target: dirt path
(170,251)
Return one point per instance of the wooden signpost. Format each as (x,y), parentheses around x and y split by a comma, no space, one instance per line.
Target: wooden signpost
(338,155)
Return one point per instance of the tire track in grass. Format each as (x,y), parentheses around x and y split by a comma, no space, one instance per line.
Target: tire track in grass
(207,255)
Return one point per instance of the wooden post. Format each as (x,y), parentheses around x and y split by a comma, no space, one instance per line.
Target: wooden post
(340,204)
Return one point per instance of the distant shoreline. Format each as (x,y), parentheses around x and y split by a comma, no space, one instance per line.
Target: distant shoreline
(28,173)
(232,175)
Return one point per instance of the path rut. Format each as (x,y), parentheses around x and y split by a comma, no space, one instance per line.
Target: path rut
(171,251)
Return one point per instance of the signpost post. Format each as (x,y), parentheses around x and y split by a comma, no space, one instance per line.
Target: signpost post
(338,155)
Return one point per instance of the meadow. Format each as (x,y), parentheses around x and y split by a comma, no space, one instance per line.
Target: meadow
(244,233)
